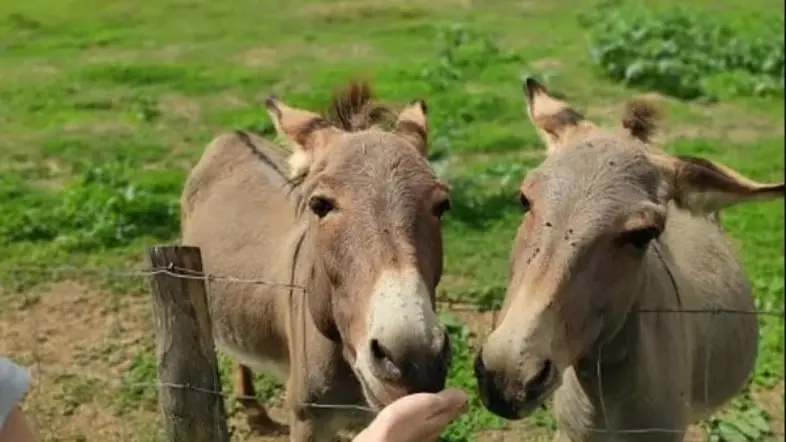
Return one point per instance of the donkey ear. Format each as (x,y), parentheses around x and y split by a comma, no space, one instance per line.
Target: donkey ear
(305,130)
(555,120)
(412,125)
(703,186)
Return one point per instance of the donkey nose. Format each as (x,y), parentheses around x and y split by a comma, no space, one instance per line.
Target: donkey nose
(418,368)
(491,389)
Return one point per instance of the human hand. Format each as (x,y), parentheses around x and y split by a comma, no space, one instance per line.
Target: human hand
(418,417)
(18,428)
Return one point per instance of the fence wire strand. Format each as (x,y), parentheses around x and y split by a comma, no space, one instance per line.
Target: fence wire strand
(452,304)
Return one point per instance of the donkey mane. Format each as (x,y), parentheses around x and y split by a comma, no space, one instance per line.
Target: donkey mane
(641,117)
(354,109)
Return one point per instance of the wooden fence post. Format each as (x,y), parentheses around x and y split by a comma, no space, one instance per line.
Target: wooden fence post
(189,393)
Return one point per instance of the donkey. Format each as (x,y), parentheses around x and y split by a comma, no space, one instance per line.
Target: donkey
(617,236)
(347,229)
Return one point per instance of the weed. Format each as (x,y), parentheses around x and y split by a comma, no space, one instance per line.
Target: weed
(135,390)
(686,54)
(107,206)
(462,376)
(76,392)
(462,54)
(267,387)
(745,421)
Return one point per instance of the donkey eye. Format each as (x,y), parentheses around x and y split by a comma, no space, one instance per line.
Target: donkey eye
(525,206)
(640,238)
(441,207)
(320,205)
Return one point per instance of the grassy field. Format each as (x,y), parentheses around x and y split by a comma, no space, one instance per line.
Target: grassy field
(104,105)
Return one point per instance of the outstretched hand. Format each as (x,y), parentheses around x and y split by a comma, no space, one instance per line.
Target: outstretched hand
(419,417)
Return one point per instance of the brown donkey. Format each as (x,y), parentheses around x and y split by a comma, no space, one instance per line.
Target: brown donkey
(353,216)
(615,227)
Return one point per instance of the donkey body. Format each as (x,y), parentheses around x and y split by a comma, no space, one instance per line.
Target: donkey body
(618,238)
(338,273)
(662,371)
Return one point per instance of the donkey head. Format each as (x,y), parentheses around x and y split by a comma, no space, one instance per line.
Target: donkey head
(375,207)
(591,210)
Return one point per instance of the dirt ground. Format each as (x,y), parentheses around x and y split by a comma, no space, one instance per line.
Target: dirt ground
(79,342)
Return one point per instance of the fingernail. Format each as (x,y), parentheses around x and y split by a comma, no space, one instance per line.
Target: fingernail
(457,399)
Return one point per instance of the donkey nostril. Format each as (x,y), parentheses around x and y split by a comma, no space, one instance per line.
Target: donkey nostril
(377,351)
(545,373)
(385,367)
(447,352)
(479,368)
(536,386)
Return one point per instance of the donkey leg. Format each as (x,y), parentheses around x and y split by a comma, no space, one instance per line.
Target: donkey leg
(256,414)
(315,428)
(300,430)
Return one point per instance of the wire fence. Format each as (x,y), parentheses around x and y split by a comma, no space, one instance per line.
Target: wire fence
(43,369)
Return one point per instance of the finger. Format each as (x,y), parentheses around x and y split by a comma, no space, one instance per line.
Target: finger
(443,419)
(450,402)
(435,428)
(427,431)
(454,398)
(424,413)
(434,435)
(427,405)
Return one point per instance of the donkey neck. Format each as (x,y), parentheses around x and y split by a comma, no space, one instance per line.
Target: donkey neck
(625,366)
(308,277)
(656,289)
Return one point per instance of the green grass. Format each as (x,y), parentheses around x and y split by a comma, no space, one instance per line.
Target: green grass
(104,105)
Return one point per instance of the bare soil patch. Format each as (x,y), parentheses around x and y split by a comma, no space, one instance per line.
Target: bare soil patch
(77,343)
(771,400)
(181,107)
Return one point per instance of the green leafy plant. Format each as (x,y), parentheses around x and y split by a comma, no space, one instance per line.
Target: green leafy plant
(462,375)
(462,50)
(106,206)
(685,53)
(135,386)
(462,53)
(747,422)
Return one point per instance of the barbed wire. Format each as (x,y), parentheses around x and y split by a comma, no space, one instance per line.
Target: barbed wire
(183,273)
(144,273)
(58,371)
(453,304)
(63,372)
